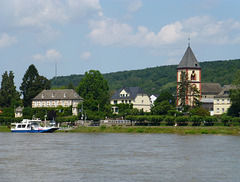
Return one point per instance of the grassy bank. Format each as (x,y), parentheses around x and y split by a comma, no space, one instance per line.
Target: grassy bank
(5,129)
(155,129)
(223,130)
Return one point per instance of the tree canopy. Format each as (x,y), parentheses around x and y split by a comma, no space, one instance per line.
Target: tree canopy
(94,89)
(32,85)
(9,97)
(234,109)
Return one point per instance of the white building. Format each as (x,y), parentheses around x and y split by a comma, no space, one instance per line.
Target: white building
(131,95)
(55,98)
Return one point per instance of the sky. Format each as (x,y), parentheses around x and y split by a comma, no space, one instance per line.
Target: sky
(113,35)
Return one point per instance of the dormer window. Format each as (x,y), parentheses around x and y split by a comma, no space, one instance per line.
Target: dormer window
(53,95)
(64,95)
(42,96)
(196,65)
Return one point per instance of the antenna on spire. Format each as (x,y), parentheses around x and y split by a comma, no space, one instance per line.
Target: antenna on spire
(188,40)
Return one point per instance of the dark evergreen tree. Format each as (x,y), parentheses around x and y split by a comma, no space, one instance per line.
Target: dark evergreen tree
(8,94)
(94,89)
(32,85)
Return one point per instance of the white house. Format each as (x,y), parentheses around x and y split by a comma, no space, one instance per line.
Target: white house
(131,95)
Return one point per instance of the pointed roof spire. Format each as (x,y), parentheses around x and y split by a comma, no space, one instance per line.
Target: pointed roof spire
(189,60)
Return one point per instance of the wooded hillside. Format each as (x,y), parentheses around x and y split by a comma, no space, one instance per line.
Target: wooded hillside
(157,79)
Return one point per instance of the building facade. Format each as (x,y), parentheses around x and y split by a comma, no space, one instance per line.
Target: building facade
(131,95)
(209,91)
(222,101)
(55,98)
(191,67)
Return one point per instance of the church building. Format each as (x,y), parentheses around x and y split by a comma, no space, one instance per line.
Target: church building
(191,67)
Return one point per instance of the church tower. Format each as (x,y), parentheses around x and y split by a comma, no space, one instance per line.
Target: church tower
(191,67)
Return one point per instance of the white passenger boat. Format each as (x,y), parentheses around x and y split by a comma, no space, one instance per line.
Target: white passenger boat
(32,126)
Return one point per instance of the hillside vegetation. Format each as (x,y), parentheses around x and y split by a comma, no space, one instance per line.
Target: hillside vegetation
(157,79)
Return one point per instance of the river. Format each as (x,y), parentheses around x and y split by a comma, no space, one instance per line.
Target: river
(118,157)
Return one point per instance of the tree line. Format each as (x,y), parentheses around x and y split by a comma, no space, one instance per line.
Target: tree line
(95,90)
(159,79)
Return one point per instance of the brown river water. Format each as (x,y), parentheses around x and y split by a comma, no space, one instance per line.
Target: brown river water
(118,157)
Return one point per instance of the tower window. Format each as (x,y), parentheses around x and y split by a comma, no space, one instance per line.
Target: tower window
(196,65)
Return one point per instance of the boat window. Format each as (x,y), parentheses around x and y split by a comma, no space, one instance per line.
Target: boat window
(28,126)
(23,126)
(19,126)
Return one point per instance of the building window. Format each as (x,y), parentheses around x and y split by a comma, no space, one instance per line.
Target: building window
(53,95)
(55,103)
(115,101)
(122,101)
(223,101)
(42,96)
(142,101)
(217,101)
(217,110)
(222,110)
(116,109)
(125,101)
(123,95)
(69,103)
(129,101)
(228,101)
(64,95)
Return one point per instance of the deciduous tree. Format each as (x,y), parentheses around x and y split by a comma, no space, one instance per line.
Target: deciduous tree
(94,89)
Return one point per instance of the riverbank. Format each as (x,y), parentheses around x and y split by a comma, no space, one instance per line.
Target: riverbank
(181,130)
(160,129)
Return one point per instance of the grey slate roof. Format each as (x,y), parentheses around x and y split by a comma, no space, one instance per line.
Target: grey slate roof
(211,88)
(226,91)
(133,91)
(63,94)
(189,60)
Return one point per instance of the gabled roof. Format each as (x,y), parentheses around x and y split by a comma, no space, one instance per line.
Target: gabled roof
(132,92)
(189,60)
(63,94)
(211,88)
(226,91)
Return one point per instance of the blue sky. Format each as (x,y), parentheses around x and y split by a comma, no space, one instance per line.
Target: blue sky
(113,35)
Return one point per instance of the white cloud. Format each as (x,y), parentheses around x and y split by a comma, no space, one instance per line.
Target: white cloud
(203,29)
(50,55)
(38,13)
(85,55)
(6,40)
(135,5)
(42,18)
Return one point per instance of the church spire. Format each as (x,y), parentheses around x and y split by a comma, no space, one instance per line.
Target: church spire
(188,40)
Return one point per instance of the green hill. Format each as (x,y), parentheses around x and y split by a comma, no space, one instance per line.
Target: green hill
(157,79)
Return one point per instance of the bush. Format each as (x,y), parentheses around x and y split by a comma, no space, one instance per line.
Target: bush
(236,120)
(196,120)
(225,119)
(210,120)
(182,120)
(169,120)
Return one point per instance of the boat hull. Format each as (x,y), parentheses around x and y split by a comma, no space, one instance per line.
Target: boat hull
(50,130)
